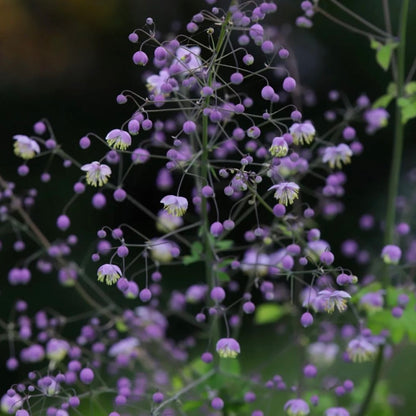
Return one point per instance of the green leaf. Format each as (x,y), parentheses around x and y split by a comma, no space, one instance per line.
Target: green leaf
(408,107)
(121,326)
(196,248)
(382,101)
(374,44)
(224,244)
(186,260)
(268,313)
(410,88)
(384,54)
(223,277)
(191,405)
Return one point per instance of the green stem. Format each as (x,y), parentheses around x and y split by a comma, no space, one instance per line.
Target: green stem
(393,188)
(204,169)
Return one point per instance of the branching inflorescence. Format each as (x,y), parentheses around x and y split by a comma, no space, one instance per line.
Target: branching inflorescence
(243,178)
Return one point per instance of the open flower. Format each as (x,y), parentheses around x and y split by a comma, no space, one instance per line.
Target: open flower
(189,59)
(359,350)
(228,348)
(118,139)
(97,173)
(337,155)
(175,205)
(296,407)
(108,272)
(279,147)
(302,133)
(25,147)
(285,192)
(336,411)
(336,299)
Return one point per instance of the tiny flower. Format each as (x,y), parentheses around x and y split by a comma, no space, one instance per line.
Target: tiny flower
(285,192)
(322,354)
(118,139)
(359,350)
(110,272)
(296,407)
(25,147)
(97,173)
(302,133)
(10,404)
(391,254)
(154,83)
(175,205)
(163,251)
(279,147)
(373,301)
(336,299)
(228,348)
(337,155)
(189,58)
(167,222)
(376,118)
(337,411)
(56,349)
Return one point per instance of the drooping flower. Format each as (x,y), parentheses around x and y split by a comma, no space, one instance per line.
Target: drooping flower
(175,205)
(108,272)
(118,139)
(302,133)
(285,192)
(166,222)
(336,411)
(296,407)
(360,350)
(255,263)
(124,347)
(337,155)
(334,299)
(97,173)
(163,251)
(10,404)
(154,83)
(56,349)
(373,301)
(279,147)
(228,348)
(25,147)
(322,354)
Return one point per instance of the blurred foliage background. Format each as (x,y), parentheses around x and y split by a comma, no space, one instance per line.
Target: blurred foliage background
(67,60)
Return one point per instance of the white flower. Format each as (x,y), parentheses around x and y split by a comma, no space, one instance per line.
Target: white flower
(302,133)
(118,139)
(175,205)
(97,173)
(285,192)
(25,147)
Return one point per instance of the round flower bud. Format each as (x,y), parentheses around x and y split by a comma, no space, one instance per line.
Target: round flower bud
(217,403)
(145,295)
(207,357)
(158,397)
(216,229)
(306,319)
(86,375)
(289,84)
(140,58)
(217,294)
(63,222)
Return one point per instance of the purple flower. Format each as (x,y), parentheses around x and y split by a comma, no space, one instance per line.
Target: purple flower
(391,254)
(110,272)
(56,349)
(228,348)
(372,301)
(189,59)
(296,407)
(25,147)
(336,299)
(279,147)
(337,155)
(118,139)
(124,347)
(302,133)
(175,205)
(376,118)
(285,192)
(359,350)
(97,173)
(167,222)
(163,251)
(9,404)
(322,354)
(336,411)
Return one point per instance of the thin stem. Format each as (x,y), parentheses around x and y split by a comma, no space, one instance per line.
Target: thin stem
(393,188)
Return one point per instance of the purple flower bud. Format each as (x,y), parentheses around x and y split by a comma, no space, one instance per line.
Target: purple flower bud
(158,397)
(63,222)
(249,307)
(189,127)
(267,92)
(267,47)
(145,295)
(391,254)
(289,84)
(207,357)
(306,319)
(99,201)
(217,294)
(310,371)
(397,312)
(84,142)
(86,375)
(207,191)
(279,210)
(133,37)
(217,403)
(327,258)
(119,195)
(236,78)
(216,229)
(248,59)
(140,58)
